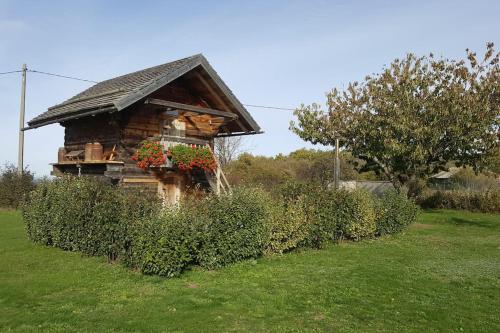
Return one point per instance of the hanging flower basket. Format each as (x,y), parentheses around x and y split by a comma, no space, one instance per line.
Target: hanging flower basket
(188,158)
(149,154)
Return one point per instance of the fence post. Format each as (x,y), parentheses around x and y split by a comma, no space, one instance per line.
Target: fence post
(217,175)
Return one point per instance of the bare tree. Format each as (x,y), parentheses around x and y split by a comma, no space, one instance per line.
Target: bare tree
(228,148)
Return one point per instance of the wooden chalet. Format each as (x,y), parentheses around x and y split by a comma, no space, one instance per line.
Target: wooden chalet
(181,102)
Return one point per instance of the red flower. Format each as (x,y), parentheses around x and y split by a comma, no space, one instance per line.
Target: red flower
(149,154)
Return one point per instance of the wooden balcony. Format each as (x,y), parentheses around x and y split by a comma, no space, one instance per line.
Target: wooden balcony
(110,169)
(171,141)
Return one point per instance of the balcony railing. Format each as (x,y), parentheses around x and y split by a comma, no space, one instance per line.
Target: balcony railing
(171,141)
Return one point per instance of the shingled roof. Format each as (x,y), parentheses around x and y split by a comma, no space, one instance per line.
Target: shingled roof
(118,93)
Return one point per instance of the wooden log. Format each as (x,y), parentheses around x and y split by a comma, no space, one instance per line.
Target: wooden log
(198,109)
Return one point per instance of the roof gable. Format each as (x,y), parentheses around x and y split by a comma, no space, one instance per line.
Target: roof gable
(118,93)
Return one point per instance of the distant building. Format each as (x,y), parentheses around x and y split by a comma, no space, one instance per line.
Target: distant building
(443,175)
(444,179)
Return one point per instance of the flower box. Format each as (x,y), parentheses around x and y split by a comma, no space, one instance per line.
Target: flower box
(151,154)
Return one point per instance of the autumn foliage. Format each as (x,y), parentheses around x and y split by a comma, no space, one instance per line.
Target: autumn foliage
(416,117)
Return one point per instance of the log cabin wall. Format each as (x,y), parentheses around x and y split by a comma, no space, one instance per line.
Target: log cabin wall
(125,130)
(142,121)
(103,128)
(137,123)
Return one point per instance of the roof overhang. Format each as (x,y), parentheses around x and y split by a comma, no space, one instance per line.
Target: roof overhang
(76,115)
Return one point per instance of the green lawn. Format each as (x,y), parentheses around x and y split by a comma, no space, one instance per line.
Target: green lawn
(441,275)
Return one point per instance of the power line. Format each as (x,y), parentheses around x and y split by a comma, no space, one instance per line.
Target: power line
(18,71)
(80,79)
(63,76)
(91,81)
(269,107)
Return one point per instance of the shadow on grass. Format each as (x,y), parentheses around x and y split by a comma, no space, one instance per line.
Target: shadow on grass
(473,223)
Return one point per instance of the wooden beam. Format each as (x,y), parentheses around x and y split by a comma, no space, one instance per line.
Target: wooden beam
(189,140)
(194,124)
(173,113)
(219,100)
(192,108)
(223,135)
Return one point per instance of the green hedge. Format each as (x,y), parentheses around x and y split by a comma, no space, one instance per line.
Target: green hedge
(37,213)
(485,201)
(287,225)
(79,214)
(232,227)
(394,212)
(337,215)
(355,215)
(162,244)
(322,209)
(85,215)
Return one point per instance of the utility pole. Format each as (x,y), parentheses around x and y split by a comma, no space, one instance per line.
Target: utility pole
(337,164)
(20,156)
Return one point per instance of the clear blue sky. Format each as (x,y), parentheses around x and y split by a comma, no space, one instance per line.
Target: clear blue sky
(279,53)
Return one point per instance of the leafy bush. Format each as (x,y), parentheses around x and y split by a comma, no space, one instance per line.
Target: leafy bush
(212,232)
(322,206)
(287,225)
(95,218)
(14,186)
(136,208)
(232,227)
(37,213)
(394,212)
(338,214)
(75,214)
(84,214)
(356,215)
(162,244)
(487,201)
(291,190)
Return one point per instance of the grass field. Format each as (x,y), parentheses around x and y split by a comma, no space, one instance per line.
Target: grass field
(441,275)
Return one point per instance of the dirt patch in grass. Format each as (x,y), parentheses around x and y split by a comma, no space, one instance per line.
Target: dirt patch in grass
(319,317)
(192,285)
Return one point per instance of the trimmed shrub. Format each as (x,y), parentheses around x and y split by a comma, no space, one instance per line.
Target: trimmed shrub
(232,227)
(287,225)
(356,215)
(37,213)
(292,190)
(335,215)
(485,201)
(394,212)
(162,244)
(95,218)
(322,206)
(137,207)
(75,214)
